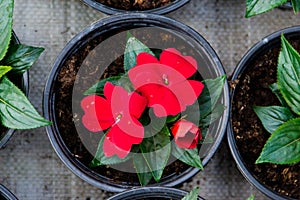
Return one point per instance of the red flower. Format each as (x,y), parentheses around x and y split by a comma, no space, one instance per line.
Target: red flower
(186,134)
(119,111)
(164,82)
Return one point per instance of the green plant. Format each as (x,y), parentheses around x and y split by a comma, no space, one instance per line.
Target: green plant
(255,7)
(16,111)
(283,122)
(192,195)
(157,108)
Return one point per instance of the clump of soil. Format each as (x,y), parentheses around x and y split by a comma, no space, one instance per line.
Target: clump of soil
(135,4)
(253,89)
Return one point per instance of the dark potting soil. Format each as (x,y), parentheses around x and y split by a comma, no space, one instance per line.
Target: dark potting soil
(135,4)
(81,72)
(253,89)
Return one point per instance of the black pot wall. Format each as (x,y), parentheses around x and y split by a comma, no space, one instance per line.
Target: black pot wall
(155,193)
(161,10)
(5,194)
(261,46)
(109,25)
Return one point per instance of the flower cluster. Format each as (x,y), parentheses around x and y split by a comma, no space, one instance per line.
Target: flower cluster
(161,84)
(152,111)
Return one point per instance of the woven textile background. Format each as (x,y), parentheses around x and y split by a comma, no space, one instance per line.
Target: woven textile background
(29,166)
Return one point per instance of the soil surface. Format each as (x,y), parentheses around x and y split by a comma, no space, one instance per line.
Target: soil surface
(69,119)
(135,4)
(253,89)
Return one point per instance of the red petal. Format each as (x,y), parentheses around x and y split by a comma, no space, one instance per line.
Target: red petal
(94,125)
(185,65)
(130,130)
(137,105)
(187,92)
(108,90)
(181,127)
(121,139)
(97,115)
(119,101)
(150,91)
(145,58)
(110,149)
(145,74)
(186,134)
(167,104)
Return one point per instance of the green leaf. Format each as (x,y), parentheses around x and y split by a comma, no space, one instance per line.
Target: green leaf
(275,89)
(215,114)
(6,10)
(21,57)
(188,156)
(4,70)
(251,197)
(210,95)
(101,159)
(16,111)
(142,169)
(156,151)
(132,49)
(171,118)
(296,5)
(98,87)
(289,75)
(283,147)
(273,116)
(255,7)
(192,195)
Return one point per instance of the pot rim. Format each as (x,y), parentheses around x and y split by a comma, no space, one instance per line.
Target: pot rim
(255,49)
(157,20)
(160,10)
(145,192)
(24,87)
(4,192)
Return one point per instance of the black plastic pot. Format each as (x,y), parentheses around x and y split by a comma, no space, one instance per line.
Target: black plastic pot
(210,67)
(261,46)
(23,84)
(161,10)
(286,6)
(5,194)
(157,193)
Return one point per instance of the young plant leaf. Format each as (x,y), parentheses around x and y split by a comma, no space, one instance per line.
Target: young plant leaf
(251,197)
(215,114)
(289,75)
(156,150)
(142,169)
(132,49)
(171,118)
(210,95)
(98,87)
(296,5)
(4,70)
(6,10)
(273,116)
(192,195)
(101,159)
(283,147)
(21,57)
(275,89)
(16,111)
(255,7)
(188,156)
